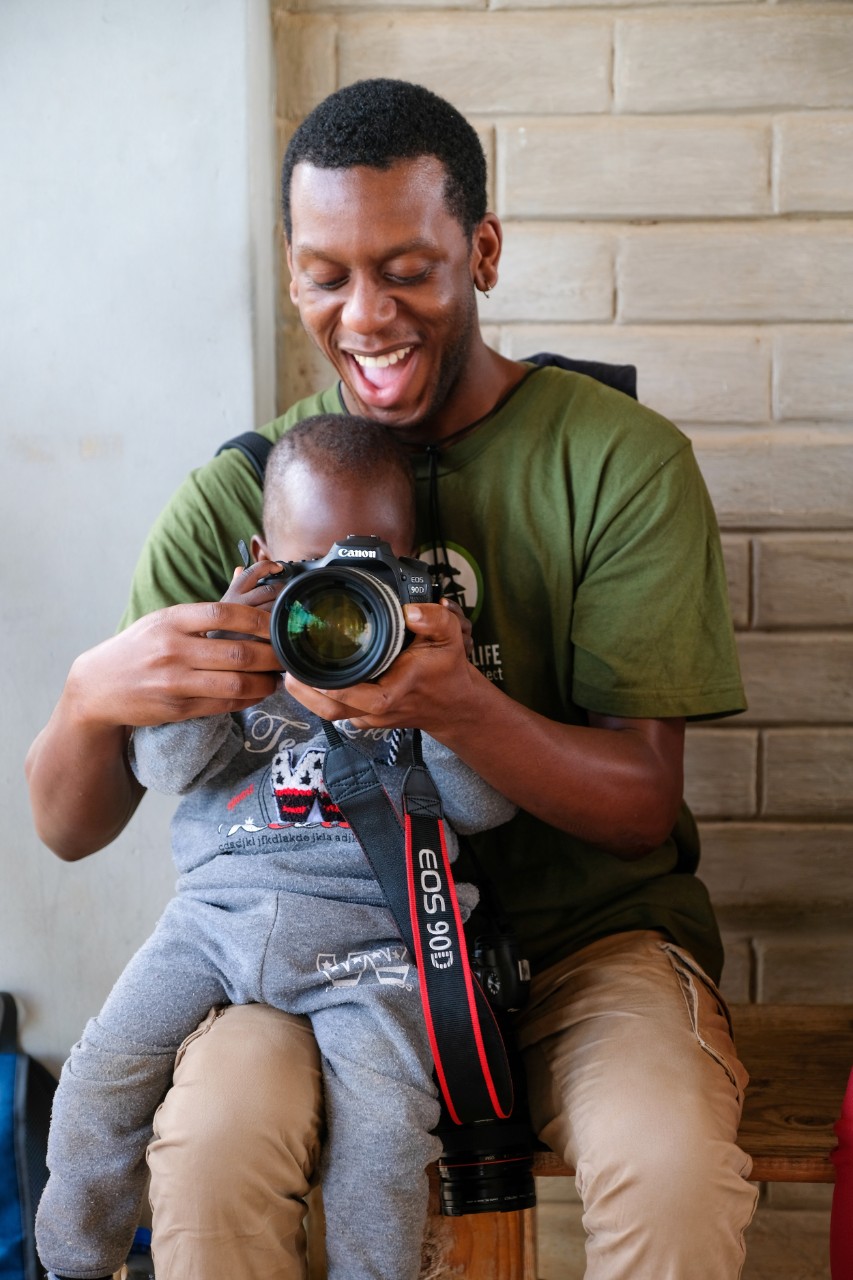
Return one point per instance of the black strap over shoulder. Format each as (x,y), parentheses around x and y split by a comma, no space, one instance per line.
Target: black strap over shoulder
(255,448)
(621,377)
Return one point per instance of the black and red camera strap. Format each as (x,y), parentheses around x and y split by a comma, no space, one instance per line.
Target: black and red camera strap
(411,863)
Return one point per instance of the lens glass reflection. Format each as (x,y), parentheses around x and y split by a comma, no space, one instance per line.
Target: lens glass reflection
(329,627)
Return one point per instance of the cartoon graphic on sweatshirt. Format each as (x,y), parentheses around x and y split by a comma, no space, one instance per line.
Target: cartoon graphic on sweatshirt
(299,794)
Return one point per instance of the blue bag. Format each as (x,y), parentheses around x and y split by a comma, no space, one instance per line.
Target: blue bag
(26,1095)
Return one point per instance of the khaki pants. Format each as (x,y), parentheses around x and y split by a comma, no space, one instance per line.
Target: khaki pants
(633,1079)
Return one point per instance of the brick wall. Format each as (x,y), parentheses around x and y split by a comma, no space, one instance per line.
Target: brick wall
(676,183)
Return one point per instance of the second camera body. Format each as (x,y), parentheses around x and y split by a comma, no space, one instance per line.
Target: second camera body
(339,620)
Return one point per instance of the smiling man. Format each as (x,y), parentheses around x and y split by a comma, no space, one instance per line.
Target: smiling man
(580,528)
(390,303)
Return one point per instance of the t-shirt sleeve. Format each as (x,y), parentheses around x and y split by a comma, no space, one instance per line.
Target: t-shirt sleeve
(652,633)
(191,551)
(180,561)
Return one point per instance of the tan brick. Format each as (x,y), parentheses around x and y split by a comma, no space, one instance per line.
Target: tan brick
(305,62)
(603,4)
(737,980)
(814,163)
(798,1195)
(813,372)
(760,272)
(688,374)
(808,773)
(797,970)
(549,63)
(486,134)
(801,678)
(720,772)
(793,477)
(614,167)
(552,273)
(761,58)
(774,871)
(737,554)
(359,6)
(804,580)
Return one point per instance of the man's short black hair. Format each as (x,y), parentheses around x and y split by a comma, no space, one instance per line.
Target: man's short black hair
(376,122)
(357,450)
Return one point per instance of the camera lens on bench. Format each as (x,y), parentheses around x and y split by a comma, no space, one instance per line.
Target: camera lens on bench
(486,1167)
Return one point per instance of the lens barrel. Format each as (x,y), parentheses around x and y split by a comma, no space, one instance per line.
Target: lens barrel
(486,1167)
(337,626)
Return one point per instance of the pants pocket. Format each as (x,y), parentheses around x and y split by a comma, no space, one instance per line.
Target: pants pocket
(709,1015)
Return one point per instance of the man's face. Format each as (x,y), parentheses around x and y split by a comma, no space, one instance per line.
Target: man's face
(383,277)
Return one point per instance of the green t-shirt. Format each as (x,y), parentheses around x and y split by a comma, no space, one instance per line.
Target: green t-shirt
(589,552)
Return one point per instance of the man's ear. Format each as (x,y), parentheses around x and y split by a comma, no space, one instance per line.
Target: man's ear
(258,548)
(486,244)
(294,288)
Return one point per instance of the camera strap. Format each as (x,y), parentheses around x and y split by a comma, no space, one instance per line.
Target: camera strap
(410,862)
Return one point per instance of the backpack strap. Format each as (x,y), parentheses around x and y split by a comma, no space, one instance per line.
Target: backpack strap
(621,377)
(254,447)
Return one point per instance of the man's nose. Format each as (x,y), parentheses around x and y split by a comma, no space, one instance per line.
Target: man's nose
(368,306)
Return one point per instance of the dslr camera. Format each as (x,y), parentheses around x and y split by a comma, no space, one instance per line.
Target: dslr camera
(339,620)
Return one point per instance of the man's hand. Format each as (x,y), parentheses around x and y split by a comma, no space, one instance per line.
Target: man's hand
(169,666)
(163,668)
(425,688)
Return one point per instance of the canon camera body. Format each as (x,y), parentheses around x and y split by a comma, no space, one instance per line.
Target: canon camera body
(339,620)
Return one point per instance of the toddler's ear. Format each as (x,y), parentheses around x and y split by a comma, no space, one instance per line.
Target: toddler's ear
(259,548)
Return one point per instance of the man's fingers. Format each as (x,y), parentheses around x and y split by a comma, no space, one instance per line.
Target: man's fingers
(199,619)
(204,693)
(337,704)
(436,622)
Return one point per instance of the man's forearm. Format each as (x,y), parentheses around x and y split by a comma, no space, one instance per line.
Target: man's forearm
(616,783)
(82,791)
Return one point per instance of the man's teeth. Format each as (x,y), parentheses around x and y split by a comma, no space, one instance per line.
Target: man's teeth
(381,362)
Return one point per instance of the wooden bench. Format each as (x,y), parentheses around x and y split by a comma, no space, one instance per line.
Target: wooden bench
(799,1058)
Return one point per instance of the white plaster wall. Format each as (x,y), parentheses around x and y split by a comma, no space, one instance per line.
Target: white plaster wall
(136,333)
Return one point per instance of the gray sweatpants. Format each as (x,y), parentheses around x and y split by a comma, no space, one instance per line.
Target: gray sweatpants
(339,962)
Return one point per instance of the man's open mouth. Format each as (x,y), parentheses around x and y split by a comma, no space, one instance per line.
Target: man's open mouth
(380,379)
(381,362)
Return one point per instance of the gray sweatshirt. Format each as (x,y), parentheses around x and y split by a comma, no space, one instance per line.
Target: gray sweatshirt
(252,784)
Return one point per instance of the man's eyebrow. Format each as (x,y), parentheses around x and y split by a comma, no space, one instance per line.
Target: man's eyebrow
(419,244)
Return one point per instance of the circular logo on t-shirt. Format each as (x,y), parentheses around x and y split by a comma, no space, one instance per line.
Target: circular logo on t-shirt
(463,571)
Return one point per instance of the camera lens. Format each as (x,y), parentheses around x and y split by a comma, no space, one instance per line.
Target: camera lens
(486,1167)
(334,627)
